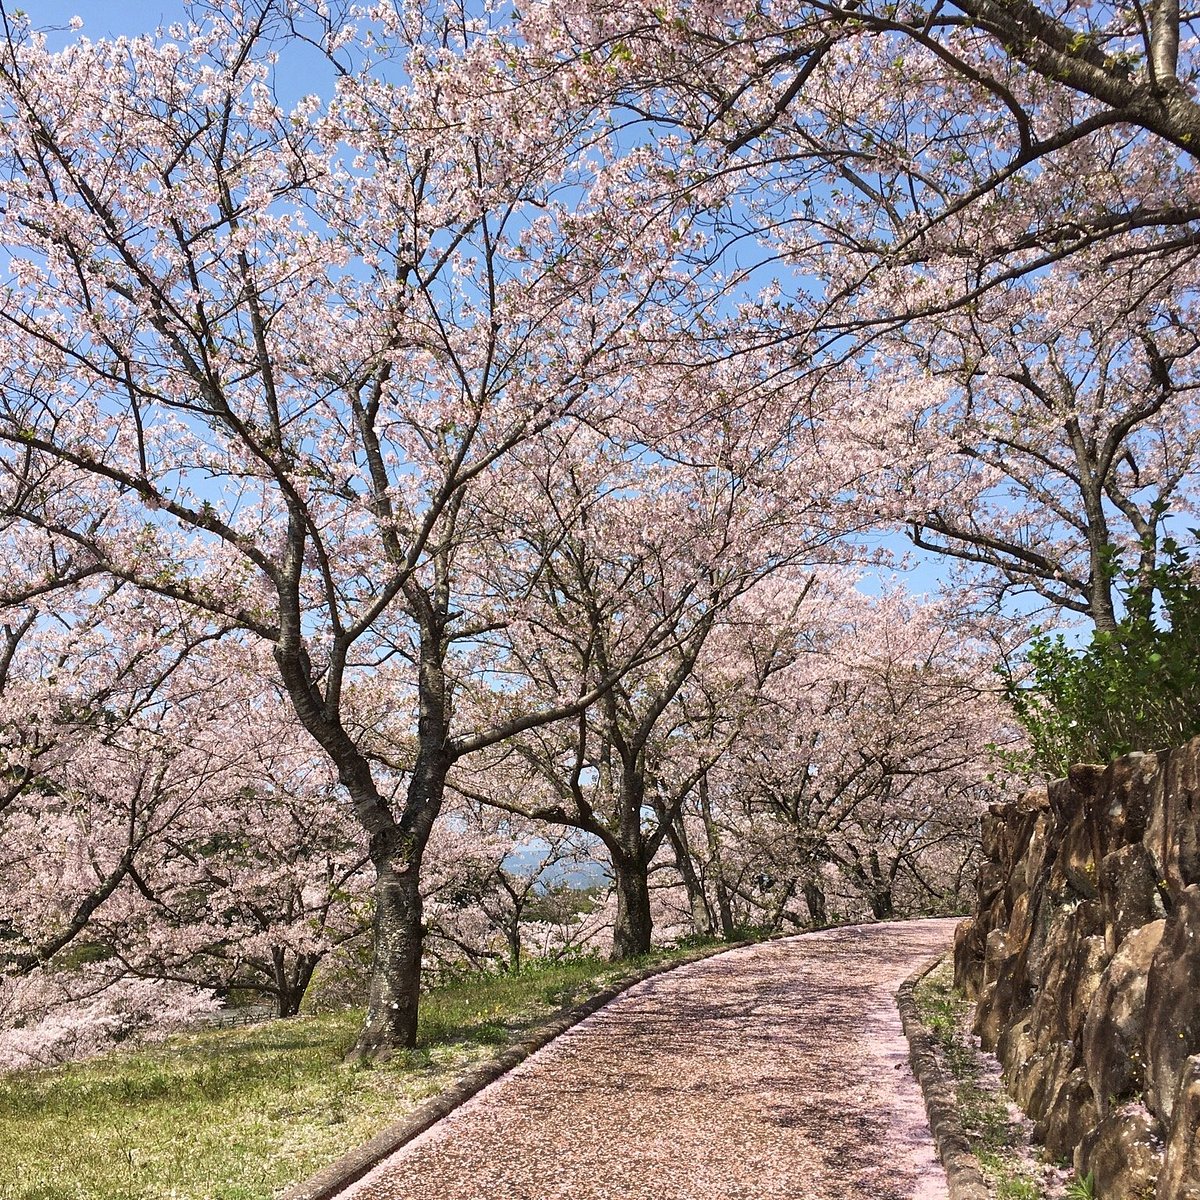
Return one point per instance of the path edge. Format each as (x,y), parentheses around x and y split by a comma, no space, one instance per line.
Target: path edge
(333,1179)
(964,1178)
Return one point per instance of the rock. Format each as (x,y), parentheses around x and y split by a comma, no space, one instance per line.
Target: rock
(1129,893)
(986,1026)
(1172,1007)
(1121,802)
(1068,797)
(1114,1031)
(968,957)
(1180,1177)
(1011,994)
(1172,832)
(1025,1069)
(1073,961)
(991,834)
(1035,952)
(1070,1114)
(1084,954)
(1036,1079)
(1032,865)
(997,966)
(1123,1154)
(989,885)
(1073,870)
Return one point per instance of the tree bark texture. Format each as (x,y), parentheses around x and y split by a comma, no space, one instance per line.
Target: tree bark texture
(633,928)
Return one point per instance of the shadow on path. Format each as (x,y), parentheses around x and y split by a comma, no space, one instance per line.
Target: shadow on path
(773,1072)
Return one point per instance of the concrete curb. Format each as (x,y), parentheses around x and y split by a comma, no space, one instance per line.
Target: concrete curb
(352,1166)
(963,1176)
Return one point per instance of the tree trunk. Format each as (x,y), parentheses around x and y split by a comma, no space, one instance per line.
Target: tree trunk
(391,1020)
(702,921)
(1100,566)
(396,843)
(882,908)
(514,944)
(290,986)
(814,897)
(631,865)
(633,929)
(396,854)
(1100,589)
(724,906)
(780,901)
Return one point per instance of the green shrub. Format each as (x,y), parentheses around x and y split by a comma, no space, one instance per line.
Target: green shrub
(1135,688)
(1082,1189)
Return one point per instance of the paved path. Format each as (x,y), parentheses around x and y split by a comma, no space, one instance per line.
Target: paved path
(774,1072)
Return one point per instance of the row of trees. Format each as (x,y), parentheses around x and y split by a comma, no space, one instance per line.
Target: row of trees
(824,743)
(488,431)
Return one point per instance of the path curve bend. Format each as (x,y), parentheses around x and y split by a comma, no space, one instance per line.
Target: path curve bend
(772,1072)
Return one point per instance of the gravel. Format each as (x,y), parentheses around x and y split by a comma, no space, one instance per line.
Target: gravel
(773,1072)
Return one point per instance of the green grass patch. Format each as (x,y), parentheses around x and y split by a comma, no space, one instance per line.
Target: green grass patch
(239,1114)
(983,1112)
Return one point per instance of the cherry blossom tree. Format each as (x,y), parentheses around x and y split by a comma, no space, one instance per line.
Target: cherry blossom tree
(1054,435)
(261,875)
(492,886)
(1002,197)
(268,363)
(864,764)
(93,775)
(49,1017)
(484,414)
(91,760)
(664,545)
(911,158)
(164,818)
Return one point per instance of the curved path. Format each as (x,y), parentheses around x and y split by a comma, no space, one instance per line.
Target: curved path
(773,1072)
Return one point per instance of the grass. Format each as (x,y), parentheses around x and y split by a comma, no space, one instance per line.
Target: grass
(1082,1189)
(983,1112)
(239,1114)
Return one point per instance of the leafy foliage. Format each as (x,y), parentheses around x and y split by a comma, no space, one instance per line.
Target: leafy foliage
(1135,688)
(1082,1189)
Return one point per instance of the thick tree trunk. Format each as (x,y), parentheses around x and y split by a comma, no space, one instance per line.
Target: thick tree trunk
(882,908)
(397,843)
(290,985)
(814,897)
(396,854)
(391,1020)
(633,929)
(631,865)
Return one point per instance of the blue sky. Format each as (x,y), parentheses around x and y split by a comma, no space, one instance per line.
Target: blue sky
(105,17)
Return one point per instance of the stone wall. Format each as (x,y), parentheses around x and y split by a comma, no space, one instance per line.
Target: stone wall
(1083,955)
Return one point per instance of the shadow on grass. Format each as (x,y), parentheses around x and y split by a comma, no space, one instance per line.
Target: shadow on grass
(240,1113)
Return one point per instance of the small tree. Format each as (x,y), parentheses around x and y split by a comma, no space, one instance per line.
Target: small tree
(1134,687)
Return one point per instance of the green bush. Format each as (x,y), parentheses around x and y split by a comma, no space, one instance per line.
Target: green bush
(1135,688)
